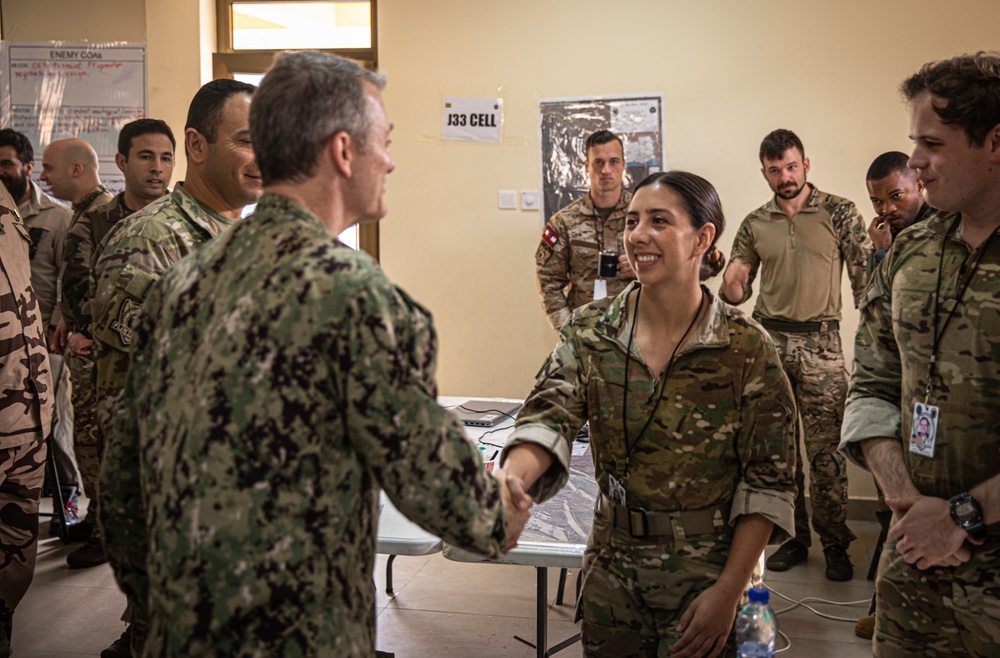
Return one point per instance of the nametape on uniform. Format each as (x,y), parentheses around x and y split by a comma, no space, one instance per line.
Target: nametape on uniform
(471,119)
(550,236)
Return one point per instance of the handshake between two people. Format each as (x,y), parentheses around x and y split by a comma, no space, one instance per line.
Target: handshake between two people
(516,502)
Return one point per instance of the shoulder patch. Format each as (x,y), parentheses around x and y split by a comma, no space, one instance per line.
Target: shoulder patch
(550,236)
(122,325)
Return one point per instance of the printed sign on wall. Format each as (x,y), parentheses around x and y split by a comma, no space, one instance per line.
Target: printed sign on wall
(54,90)
(471,119)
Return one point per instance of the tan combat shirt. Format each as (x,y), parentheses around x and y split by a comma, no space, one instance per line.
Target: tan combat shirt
(803,257)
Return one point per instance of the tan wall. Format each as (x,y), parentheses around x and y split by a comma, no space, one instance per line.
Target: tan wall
(74,20)
(179,36)
(730,71)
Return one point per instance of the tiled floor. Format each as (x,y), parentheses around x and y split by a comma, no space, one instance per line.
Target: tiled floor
(441,608)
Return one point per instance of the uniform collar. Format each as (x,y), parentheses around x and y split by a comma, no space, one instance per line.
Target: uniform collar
(197,211)
(88,199)
(37,201)
(812,205)
(623,200)
(712,331)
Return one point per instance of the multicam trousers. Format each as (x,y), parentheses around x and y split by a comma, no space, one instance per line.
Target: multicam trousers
(939,612)
(633,595)
(814,363)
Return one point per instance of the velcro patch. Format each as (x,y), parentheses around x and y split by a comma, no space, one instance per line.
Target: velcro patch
(550,236)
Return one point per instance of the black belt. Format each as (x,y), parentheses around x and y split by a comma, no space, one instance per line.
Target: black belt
(643,524)
(800,327)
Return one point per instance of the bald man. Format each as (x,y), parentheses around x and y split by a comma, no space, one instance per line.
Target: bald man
(70,167)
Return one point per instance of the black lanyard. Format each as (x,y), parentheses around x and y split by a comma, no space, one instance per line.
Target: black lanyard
(936,342)
(661,381)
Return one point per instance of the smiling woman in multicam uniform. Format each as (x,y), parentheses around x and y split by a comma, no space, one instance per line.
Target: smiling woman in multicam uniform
(692,430)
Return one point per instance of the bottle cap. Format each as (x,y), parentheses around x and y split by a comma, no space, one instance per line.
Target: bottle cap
(759,594)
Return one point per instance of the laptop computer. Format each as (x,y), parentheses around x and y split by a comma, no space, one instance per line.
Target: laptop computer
(486,413)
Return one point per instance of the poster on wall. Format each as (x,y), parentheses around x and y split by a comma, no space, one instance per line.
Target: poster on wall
(564,125)
(54,90)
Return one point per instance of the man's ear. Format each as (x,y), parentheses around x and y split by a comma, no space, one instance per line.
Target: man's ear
(196,146)
(120,161)
(993,142)
(343,153)
(75,170)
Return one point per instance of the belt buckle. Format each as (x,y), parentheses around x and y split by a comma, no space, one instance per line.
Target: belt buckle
(645,522)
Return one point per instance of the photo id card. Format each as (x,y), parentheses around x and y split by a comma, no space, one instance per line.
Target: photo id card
(923,431)
(600,289)
(616,491)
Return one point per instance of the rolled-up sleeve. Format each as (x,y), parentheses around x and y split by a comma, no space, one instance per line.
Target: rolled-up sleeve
(554,412)
(768,444)
(873,396)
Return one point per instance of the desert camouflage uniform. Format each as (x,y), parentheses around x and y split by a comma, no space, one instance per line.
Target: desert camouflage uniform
(722,442)
(939,611)
(813,360)
(278,380)
(47,221)
(74,282)
(132,256)
(25,409)
(567,257)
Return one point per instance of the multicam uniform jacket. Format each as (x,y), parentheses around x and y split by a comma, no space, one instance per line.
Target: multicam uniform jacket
(566,261)
(130,259)
(723,432)
(893,349)
(278,380)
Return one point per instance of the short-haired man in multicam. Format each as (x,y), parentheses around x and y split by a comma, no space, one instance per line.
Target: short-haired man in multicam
(222,179)
(801,241)
(146,159)
(568,254)
(928,348)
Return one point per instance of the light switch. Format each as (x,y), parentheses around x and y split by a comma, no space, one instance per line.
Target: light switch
(530,200)
(507,200)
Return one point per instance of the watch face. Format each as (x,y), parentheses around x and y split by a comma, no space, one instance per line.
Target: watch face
(965,510)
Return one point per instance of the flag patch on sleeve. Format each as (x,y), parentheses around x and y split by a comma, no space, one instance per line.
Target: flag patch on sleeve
(550,236)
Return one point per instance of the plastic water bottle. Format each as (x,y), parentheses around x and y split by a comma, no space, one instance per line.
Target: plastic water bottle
(756,627)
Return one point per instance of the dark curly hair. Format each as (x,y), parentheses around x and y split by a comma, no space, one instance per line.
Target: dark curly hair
(968,85)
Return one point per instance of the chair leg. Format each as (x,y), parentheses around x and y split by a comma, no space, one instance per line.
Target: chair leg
(562,586)
(388,574)
(58,503)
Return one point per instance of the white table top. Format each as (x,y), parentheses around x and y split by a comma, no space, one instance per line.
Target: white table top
(397,535)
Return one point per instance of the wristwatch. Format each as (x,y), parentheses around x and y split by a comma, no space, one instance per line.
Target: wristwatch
(968,515)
